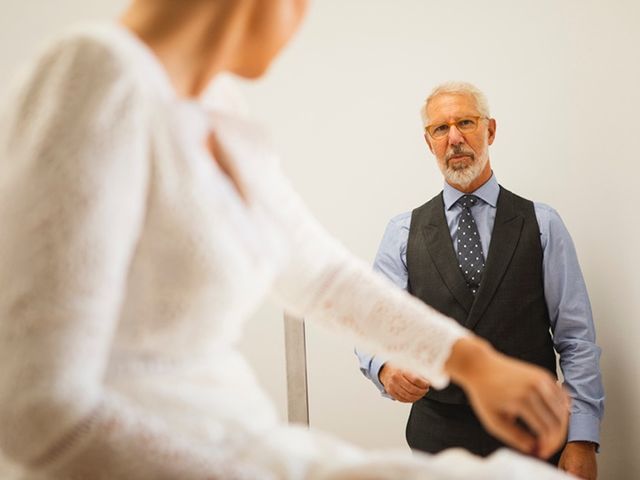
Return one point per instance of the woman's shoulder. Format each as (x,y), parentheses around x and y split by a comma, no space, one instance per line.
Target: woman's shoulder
(90,57)
(79,81)
(85,66)
(100,48)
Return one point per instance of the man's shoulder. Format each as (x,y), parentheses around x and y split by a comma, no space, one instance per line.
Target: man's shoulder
(542,210)
(400,221)
(547,216)
(549,220)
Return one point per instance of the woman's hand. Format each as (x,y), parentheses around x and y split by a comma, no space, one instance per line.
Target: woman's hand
(520,404)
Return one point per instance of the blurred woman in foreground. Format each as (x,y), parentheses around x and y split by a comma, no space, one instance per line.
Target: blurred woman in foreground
(140,230)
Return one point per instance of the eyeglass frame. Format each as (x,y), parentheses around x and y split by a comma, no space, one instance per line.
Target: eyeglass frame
(477,118)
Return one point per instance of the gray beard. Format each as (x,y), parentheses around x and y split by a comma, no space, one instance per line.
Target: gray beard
(465,176)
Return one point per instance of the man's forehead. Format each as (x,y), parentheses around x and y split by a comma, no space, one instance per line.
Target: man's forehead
(451,105)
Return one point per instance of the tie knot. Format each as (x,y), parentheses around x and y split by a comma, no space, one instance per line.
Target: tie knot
(467,201)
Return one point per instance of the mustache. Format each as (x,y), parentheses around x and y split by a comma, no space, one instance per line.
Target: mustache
(458,150)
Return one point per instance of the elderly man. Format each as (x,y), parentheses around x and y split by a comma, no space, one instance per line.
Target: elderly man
(502,266)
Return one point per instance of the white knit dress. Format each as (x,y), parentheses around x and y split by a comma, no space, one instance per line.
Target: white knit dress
(128,264)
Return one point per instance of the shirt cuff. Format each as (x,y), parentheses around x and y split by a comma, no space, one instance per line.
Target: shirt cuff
(584,428)
(374,371)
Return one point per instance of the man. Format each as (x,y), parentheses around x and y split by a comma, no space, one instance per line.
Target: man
(503,267)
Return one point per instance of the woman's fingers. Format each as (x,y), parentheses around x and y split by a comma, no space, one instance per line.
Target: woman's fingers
(534,419)
(546,416)
(556,398)
(551,405)
(507,429)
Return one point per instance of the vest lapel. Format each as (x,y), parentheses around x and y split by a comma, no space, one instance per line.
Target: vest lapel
(504,240)
(438,242)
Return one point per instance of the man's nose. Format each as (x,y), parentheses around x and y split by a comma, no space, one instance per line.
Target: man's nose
(455,137)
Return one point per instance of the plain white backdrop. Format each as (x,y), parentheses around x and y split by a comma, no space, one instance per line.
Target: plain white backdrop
(342,103)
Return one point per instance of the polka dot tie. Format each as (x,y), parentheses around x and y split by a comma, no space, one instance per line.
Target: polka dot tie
(470,257)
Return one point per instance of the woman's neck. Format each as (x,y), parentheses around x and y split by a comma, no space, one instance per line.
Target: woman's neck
(192,39)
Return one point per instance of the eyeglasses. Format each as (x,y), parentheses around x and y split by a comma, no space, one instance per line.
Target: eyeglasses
(464,125)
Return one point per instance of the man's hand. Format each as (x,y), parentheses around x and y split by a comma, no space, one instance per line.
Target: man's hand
(503,391)
(402,385)
(579,459)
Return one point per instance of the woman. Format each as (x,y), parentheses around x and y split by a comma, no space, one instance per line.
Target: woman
(140,231)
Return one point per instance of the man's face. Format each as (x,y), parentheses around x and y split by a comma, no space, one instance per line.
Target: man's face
(461,157)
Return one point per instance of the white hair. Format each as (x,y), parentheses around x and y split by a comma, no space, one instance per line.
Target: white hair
(460,88)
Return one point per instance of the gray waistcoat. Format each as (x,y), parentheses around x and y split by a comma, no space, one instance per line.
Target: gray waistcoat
(509,309)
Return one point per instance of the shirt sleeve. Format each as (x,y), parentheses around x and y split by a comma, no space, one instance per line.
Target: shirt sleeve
(326,284)
(572,326)
(73,187)
(390,261)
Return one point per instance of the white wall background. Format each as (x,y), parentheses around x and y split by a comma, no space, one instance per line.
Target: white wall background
(562,77)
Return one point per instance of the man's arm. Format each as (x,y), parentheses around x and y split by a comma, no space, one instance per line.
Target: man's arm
(390,261)
(574,340)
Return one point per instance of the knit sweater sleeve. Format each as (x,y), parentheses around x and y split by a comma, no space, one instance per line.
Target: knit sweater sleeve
(326,284)
(73,185)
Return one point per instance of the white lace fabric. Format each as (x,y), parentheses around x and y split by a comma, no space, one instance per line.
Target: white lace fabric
(128,263)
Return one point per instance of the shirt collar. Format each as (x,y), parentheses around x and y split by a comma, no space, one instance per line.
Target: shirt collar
(488,193)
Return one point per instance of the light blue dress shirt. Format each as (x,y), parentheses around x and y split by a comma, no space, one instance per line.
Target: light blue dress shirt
(565,293)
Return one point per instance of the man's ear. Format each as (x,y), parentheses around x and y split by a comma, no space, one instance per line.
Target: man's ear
(428,140)
(492,130)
